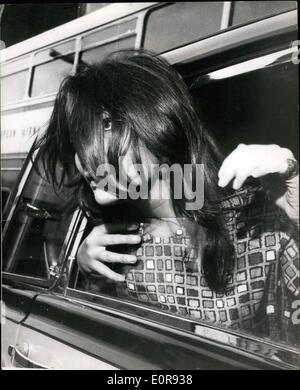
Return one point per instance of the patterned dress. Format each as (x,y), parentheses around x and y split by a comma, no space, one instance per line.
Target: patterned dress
(263,291)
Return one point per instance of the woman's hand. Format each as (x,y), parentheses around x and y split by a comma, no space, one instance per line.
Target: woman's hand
(258,161)
(255,161)
(92,252)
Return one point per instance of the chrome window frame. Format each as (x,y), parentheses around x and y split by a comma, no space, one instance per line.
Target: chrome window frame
(254,346)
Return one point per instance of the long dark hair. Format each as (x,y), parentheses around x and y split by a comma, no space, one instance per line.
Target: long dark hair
(147,100)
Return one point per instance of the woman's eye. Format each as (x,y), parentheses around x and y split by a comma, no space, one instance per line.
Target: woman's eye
(106,124)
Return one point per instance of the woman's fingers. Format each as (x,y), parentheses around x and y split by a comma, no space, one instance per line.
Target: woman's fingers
(113,257)
(228,169)
(116,239)
(226,175)
(92,252)
(102,269)
(102,235)
(252,160)
(115,227)
(240,177)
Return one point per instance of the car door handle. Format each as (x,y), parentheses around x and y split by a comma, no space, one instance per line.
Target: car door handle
(23,360)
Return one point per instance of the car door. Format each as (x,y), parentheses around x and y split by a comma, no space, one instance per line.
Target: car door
(16,301)
(50,321)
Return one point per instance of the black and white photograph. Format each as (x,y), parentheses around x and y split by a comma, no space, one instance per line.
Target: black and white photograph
(150,188)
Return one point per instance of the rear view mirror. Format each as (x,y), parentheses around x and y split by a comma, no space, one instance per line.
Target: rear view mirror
(39,213)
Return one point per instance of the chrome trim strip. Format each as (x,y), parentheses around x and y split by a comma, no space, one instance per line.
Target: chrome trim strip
(13,156)
(71,257)
(27,279)
(24,361)
(67,242)
(257,63)
(232,338)
(79,235)
(11,169)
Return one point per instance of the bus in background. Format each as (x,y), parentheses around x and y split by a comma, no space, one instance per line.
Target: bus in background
(183,32)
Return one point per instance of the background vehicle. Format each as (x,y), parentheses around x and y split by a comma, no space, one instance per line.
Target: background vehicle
(238,58)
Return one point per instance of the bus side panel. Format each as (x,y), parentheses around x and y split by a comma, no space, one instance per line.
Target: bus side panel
(19,128)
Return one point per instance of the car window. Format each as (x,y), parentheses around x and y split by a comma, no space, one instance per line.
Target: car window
(258,106)
(37,228)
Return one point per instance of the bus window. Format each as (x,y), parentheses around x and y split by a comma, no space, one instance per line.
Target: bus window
(96,54)
(180,23)
(52,52)
(109,33)
(48,76)
(247,11)
(13,87)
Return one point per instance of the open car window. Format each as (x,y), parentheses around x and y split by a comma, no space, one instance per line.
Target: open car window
(253,102)
(251,107)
